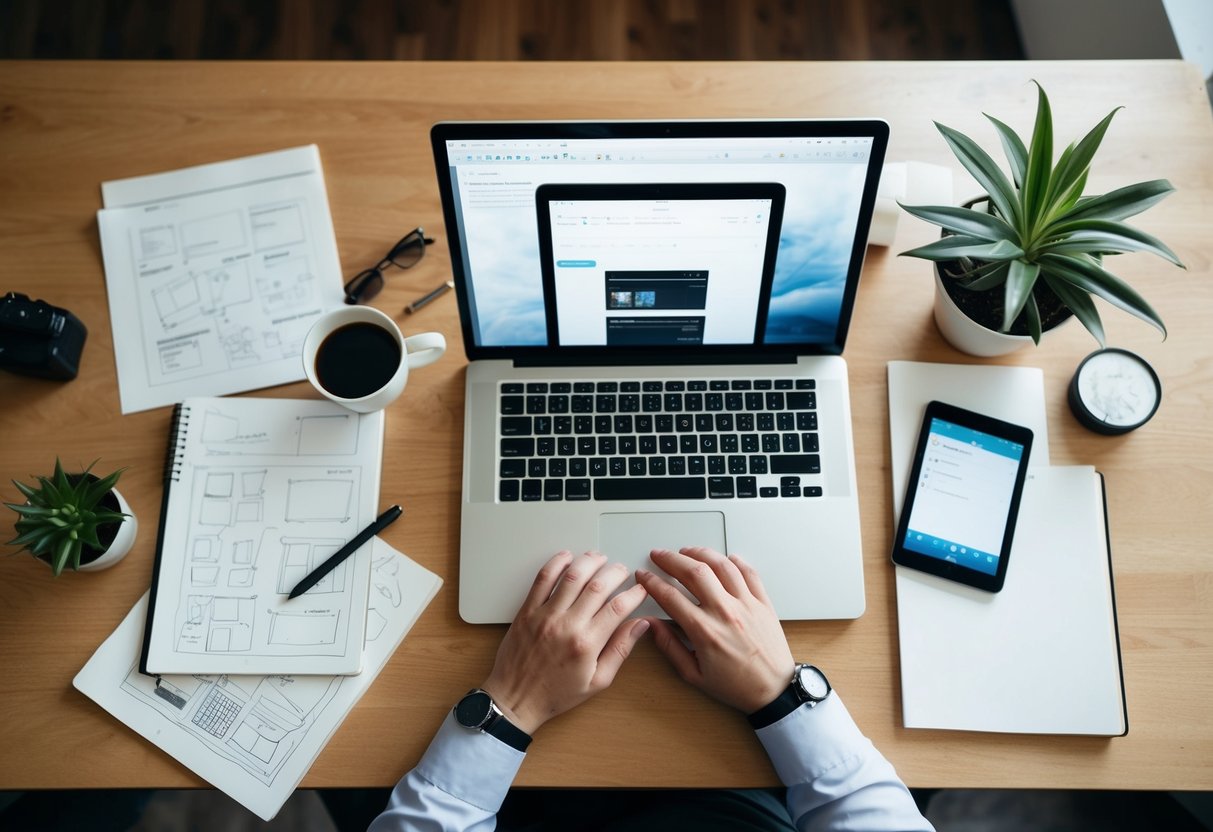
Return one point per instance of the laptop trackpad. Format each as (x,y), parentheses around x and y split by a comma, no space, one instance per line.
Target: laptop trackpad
(630,537)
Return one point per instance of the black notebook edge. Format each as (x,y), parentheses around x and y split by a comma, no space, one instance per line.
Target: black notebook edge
(1120,660)
(177,426)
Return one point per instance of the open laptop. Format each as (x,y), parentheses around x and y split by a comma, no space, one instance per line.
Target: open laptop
(654,315)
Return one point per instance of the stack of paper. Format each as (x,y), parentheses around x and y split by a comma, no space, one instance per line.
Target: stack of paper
(1042,655)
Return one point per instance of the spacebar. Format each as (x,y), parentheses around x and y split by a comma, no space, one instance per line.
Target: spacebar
(658,488)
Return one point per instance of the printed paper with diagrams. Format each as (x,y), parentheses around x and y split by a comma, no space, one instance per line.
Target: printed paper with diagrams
(254,737)
(215,274)
(266,491)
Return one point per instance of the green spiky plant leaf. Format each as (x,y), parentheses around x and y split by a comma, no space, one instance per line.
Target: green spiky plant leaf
(61,516)
(1038,227)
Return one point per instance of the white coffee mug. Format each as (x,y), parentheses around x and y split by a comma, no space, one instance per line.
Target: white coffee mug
(415,351)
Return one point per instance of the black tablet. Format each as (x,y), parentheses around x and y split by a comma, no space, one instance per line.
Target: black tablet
(958,517)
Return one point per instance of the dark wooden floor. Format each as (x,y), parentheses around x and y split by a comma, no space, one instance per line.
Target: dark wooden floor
(510,29)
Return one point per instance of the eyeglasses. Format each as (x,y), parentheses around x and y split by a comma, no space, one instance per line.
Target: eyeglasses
(405,254)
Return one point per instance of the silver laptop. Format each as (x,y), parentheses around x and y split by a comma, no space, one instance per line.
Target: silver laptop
(654,315)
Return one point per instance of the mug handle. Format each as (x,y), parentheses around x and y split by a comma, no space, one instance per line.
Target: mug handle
(424,348)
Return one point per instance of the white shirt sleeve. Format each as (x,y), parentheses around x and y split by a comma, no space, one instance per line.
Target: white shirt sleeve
(459,784)
(836,778)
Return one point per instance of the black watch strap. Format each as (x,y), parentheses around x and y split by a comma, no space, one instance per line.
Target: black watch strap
(508,733)
(783,705)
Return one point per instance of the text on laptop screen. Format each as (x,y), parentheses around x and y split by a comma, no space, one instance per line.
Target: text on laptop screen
(658,272)
(494,181)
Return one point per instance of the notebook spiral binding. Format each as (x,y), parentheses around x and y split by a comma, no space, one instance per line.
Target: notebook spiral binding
(176,443)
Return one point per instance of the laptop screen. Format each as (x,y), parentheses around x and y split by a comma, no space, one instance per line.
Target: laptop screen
(489,173)
(629,266)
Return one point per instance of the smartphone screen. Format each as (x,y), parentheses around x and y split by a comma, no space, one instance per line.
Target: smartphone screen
(963,496)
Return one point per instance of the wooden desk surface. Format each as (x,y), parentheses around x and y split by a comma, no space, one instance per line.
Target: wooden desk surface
(66,127)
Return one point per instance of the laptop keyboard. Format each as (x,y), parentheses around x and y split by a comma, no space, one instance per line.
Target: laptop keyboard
(654,440)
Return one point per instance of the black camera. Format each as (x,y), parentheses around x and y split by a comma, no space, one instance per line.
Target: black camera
(37,339)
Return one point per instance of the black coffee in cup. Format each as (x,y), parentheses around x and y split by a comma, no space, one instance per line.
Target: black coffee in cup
(357,359)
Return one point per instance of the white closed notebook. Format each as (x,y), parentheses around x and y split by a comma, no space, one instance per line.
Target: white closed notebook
(1041,656)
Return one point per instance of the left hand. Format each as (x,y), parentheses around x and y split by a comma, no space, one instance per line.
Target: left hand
(568,641)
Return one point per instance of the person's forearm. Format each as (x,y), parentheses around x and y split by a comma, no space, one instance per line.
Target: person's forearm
(457,786)
(836,779)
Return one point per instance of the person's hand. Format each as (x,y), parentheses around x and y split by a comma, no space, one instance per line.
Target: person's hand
(738,653)
(568,641)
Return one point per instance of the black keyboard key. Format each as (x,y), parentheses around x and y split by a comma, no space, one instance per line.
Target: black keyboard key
(558,404)
(562,425)
(532,490)
(648,444)
(512,405)
(745,421)
(808,443)
(796,464)
(515,425)
(684,423)
(537,468)
(813,491)
(713,402)
(676,465)
(603,424)
(586,446)
(583,387)
(607,387)
(753,401)
(734,401)
(629,387)
(553,490)
(657,488)
(716,464)
(677,386)
(728,443)
(718,384)
(749,443)
(741,384)
(517,447)
(537,387)
(789,491)
(774,401)
(657,466)
(561,387)
(513,469)
(652,386)
(724,422)
(766,421)
(650,402)
(508,491)
(697,385)
(629,403)
(606,445)
(627,445)
(696,465)
(578,467)
(737,464)
(688,444)
(583,424)
(545,446)
(708,443)
(762,384)
(566,446)
(605,403)
(805,384)
(758,464)
(577,489)
(543,425)
(747,487)
(598,467)
(770,443)
(703,422)
(785,421)
(693,402)
(644,424)
(791,443)
(637,466)
(802,401)
(557,467)
(720,488)
(511,387)
(582,404)
(673,402)
(536,404)
(768,491)
(665,423)
(617,466)
(668,444)
(783,384)
(806,421)
(623,424)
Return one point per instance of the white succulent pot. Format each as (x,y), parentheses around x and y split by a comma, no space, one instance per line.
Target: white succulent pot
(122,543)
(964,333)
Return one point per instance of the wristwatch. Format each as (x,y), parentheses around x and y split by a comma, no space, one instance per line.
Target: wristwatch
(808,686)
(478,712)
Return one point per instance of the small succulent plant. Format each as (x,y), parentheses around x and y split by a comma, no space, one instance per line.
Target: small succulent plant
(61,517)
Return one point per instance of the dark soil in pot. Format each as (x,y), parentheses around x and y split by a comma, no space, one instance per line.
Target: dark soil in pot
(986,308)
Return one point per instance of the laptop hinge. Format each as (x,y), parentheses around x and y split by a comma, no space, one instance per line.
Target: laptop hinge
(599,359)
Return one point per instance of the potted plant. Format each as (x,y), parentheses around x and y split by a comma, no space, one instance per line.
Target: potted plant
(1030,254)
(74,520)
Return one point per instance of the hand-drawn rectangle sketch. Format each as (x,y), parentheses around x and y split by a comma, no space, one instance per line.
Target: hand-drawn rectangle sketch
(239,256)
(318,501)
(336,434)
(253,737)
(248,505)
(275,226)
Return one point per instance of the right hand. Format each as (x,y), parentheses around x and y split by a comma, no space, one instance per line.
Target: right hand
(738,652)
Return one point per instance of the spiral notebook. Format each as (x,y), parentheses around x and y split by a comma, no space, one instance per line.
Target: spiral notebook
(257,493)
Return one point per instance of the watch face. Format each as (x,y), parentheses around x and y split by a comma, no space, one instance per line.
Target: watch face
(813,681)
(473,709)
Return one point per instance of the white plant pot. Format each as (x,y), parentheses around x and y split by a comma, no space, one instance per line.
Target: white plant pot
(968,336)
(122,542)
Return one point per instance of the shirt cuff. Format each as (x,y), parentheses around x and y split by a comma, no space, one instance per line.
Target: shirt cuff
(810,741)
(471,765)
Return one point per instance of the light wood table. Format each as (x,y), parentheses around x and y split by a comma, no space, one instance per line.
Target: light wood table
(66,127)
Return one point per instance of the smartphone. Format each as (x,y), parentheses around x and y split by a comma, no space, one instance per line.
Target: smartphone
(958,517)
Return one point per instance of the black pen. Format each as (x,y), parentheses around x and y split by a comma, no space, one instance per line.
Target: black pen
(386,519)
(434,295)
